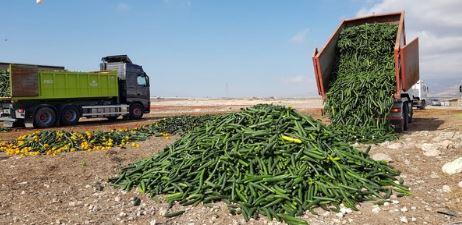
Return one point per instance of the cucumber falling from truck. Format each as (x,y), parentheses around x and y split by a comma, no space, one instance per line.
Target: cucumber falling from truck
(406,66)
(44,96)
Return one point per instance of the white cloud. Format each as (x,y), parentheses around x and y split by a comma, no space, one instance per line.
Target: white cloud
(185,3)
(297,79)
(122,7)
(300,37)
(438,24)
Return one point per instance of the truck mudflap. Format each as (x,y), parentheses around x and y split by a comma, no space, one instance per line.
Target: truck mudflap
(396,117)
(401,114)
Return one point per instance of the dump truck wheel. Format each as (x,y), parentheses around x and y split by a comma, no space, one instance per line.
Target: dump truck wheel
(70,115)
(424,104)
(44,117)
(136,111)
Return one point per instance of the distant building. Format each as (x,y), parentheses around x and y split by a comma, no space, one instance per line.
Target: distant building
(451,102)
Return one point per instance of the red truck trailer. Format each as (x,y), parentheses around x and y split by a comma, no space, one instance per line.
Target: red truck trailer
(406,57)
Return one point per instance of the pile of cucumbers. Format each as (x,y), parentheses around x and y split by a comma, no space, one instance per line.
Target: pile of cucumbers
(264,160)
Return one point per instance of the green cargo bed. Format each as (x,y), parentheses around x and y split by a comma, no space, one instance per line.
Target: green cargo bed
(30,83)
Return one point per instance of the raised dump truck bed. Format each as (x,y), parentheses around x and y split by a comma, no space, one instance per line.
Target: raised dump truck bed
(406,57)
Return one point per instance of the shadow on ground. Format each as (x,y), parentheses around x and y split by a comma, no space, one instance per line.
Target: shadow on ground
(425,124)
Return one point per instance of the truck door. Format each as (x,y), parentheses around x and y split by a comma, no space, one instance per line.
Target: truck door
(142,89)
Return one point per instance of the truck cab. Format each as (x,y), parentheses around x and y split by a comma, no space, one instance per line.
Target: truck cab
(419,94)
(133,83)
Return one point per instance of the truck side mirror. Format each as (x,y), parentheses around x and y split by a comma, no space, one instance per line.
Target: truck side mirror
(147,81)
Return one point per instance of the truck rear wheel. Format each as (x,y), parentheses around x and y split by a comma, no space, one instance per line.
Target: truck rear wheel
(44,117)
(422,105)
(70,115)
(136,111)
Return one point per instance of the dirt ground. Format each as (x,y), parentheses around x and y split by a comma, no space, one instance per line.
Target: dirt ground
(72,188)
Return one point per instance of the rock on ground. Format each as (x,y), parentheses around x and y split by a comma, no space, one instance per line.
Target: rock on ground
(432,153)
(429,147)
(395,146)
(430,150)
(446,188)
(453,167)
(381,157)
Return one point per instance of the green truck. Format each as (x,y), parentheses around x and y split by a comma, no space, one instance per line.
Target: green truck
(44,96)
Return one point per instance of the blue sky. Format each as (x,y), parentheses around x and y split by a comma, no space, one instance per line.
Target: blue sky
(196,48)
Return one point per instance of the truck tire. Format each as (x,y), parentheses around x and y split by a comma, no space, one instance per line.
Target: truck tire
(44,117)
(424,104)
(70,115)
(136,111)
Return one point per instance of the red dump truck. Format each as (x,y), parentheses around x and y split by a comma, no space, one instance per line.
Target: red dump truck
(406,57)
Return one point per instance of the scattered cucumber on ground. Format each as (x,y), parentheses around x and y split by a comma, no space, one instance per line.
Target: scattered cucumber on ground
(361,96)
(54,142)
(4,129)
(264,160)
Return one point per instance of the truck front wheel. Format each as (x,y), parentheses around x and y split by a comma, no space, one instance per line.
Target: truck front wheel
(423,104)
(44,117)
(70,116)
(136,111)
